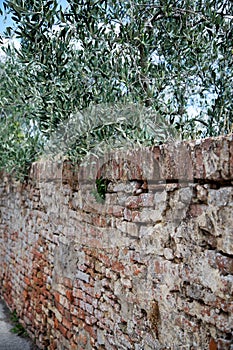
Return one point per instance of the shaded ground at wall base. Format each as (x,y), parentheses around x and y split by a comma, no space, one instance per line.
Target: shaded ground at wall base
(9,340)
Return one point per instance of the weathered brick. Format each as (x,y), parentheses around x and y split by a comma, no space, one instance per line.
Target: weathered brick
(78,293)
(133,202)
(61,289)
(90,320)
(83,274)
(117,266)
(147,199)
(212,345)
(91,331)
(69,295)
(60,308)
(62,329)
(117,211)
(57,296)
(224,264)
(64,302)
(73,345)
(99,221)
(89,308)
(82,339)
(127,227)
(66,323)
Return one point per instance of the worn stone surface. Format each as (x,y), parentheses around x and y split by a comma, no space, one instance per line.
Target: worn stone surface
(148,268)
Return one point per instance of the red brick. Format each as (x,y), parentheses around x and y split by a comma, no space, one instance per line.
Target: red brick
(159,267)
(91,331)
(195,210)
(78,293)
(69,295)
(105,259)
(224,264)
(198,165)
(66,323)
(91,272)
(64,302)
(82,267)
(38,308)
(56,323)
(57,296)
(99,221)
(37,255)
(117,266)
(81,313)
(82,339)
(135,216)
(44,294)
(67,314)
(90,320)
(25,294)
(212,345)
(52,346)
(27,281)
(73,346)
(91,300)
(117,211)
(60,308)
(133,202)
(62,329)
(136,271)
(80,316)
(127,214)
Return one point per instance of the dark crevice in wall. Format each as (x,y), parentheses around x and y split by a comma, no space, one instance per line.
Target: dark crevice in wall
(230,256)
(214,184)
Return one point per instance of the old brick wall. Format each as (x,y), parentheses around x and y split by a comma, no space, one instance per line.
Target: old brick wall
(148,267)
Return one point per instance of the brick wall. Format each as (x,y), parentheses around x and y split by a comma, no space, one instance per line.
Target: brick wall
(148,267)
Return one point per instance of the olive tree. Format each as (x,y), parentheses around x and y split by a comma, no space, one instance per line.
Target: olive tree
(170,57)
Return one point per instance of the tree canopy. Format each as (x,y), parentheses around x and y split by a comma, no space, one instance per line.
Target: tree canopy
(170,57)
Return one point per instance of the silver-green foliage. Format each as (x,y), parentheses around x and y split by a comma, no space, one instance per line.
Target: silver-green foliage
(104,127)
(161,56)
(18,147)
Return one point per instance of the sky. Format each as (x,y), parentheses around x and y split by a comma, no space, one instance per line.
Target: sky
(4,23)
(8,22)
